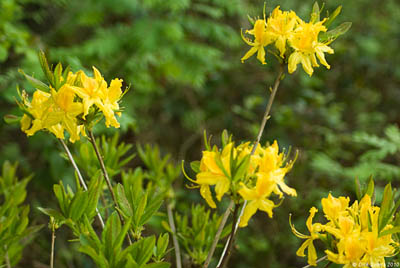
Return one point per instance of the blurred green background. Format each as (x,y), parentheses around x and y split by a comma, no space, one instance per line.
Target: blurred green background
(181,59)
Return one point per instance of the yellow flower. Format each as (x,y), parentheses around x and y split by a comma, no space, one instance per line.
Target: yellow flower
(110,97)
(64,112)
(258,197)
(38,109)
(271,166)
(281,25)
(94,91)
(314,230)
(90,89)
(306,47)
(212,174)
(334,207)
(261,39)
(351,251)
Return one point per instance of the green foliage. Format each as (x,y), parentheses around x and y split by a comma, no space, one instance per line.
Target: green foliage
(108,252)
(378,158)
(196,233)
(15,234)
(137,201)
(74,208)
(115,152)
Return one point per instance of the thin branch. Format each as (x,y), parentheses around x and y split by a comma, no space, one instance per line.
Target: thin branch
(218,234)
(81,180)
(107,178)
(319,260)
(8,264)
(260,132)
(174,237)
(224,261)
(53,240)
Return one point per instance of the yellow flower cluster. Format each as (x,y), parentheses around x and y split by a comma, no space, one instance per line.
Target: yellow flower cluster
(290,34)
(66,109)
(254,177)
(357,241)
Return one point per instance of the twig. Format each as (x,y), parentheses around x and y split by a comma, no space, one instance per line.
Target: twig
(260,132)
(218,234)
(107,178)
(223,261)
(53,240)
(319,260)
(8,264)
(174,237)
(81,180)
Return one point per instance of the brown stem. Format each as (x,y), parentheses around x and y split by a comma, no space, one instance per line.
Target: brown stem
(174,237)
(53,240)
(81,180)
(260,132)
(218,234)
(107,178)
(224,261)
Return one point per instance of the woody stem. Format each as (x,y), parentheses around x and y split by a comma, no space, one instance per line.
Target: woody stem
(260,132)
(107,179)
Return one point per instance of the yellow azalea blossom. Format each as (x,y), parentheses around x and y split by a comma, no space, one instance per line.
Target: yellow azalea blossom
(307,48)
(335,207)
(271,166)
(110,97)
(261,39)
(211,174)
(38,109)
(64,112)
(258,199)
(90,90)
(281,25)
(351,252)
(94,91)
(314,230)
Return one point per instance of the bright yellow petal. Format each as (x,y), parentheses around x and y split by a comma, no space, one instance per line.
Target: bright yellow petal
(249,53)
(312,254)
(306,63)
(206,194)
(25,122)
(294,60)
(248,194)
(267,205)
(302,248)
(249,211)
(208,178)
(222,187)
(261,55)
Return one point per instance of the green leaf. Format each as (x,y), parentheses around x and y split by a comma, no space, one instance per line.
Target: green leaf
(158,265)
(46,68)
(162,245)
(78,205)
(371,189)
(34,82)
(52,213)
(121,236)
(11,119)
(358,188)
(123,201)
(140,209)
(333,16)
(195,165)
(330,36)
(386,205)
(315,13)
(390,231)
